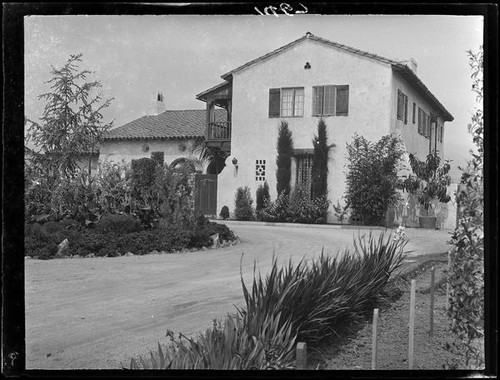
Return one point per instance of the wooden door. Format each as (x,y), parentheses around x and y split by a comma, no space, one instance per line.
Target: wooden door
(206,194)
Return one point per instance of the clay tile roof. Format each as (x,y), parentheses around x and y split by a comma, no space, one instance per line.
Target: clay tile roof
(173,124)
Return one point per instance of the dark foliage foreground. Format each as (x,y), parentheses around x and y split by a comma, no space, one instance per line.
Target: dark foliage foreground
(304,302)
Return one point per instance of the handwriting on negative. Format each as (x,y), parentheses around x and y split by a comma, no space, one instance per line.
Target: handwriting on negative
(284,7)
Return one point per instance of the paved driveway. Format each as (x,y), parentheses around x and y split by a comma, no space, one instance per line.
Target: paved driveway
(96,313)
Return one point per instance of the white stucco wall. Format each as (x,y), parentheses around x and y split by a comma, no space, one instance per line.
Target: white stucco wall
(254,134)
(127,150)
(415,143)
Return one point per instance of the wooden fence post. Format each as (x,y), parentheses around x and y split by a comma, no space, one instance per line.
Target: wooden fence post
(431,316)
(412,324)
(301,356)
(374,339)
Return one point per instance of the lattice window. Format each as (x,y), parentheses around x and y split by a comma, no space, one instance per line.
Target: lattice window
(260,170)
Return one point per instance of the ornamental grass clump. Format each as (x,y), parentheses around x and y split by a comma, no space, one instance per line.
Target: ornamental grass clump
(322,296)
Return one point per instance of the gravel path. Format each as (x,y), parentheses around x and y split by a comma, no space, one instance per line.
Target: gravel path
(96,313)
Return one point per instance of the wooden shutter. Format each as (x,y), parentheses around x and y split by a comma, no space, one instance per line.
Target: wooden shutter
(342,100)
(420,120)
(406,109)
(414,112)
(399,108)
(318,100)
(274,102)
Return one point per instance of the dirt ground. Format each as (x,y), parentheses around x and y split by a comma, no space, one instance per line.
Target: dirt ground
(354,350)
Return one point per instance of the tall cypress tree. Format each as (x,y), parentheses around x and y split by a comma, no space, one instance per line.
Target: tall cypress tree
(284,159)
(320,161)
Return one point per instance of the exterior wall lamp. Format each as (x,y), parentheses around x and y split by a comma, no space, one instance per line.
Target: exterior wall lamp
(235,162)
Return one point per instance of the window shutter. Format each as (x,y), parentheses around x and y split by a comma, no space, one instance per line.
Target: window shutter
(318,100)
(420,120)
(414,112)
(342,103)
(274,102)
(398,111)
(406,109)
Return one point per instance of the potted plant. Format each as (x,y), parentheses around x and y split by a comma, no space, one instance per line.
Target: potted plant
(428,183)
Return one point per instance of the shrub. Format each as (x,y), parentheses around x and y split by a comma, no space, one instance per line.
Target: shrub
(42,240)
(224,212)
(276,211)
(75,198)
(174,196)
(204,229)
(466,307)
(114,186)
(120,224)
(372,177)
(39,244)
(243,209)
(298,207)
(303,209)
(225,233)
(262,198)
(284,159)
(321,297)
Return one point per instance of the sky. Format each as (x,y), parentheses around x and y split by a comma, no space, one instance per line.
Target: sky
(135,57)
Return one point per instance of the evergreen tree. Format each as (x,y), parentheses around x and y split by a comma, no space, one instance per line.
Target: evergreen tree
(320,161)
(71,124)
(284,159)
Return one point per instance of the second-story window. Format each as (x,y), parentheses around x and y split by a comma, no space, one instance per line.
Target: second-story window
(330,100)
(286,102)
(402,111)
(424,123)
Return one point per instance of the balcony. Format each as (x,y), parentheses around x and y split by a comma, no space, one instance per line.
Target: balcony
(218,101)
(219,131)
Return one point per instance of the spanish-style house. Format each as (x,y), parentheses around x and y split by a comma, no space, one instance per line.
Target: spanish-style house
(309,78)
(170,134)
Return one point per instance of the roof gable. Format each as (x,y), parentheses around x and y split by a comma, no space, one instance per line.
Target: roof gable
(172,124)
(400,67)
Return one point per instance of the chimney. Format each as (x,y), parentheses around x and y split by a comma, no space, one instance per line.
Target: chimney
(160,106)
